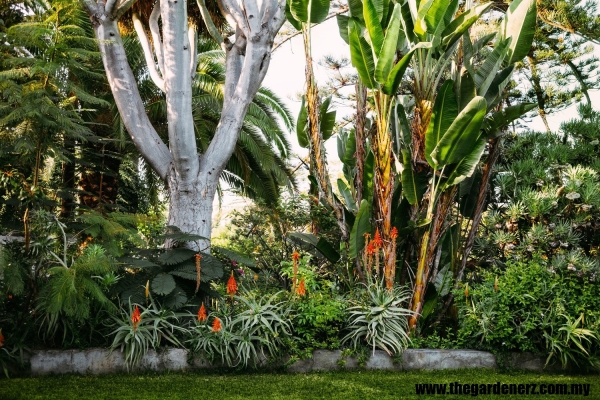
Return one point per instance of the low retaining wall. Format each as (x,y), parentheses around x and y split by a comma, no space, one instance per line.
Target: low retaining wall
(101,361)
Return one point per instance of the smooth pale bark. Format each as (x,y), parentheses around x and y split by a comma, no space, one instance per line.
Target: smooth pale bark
(192,178)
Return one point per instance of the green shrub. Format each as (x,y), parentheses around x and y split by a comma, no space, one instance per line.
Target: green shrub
(318,319)
(531,307)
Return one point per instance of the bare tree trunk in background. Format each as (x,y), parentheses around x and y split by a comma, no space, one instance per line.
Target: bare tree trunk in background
(539,91)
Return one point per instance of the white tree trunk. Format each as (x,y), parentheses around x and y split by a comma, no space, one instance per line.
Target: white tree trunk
(192,179)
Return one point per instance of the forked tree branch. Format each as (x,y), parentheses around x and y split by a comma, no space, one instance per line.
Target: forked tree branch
(210,25)
(193,39)
(156,39)
(122,8)
(139,29)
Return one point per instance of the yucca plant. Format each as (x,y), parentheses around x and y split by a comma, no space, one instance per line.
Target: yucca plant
(379,319)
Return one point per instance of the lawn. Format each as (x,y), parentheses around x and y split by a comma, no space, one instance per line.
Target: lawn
(332,385)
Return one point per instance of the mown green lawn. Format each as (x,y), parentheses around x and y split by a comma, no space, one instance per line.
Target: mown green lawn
(332,385)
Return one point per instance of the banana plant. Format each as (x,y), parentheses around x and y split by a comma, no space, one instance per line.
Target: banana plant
(454,123)
(457,104)
(374,32)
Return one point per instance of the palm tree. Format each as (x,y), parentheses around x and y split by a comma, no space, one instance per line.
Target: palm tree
(51,63)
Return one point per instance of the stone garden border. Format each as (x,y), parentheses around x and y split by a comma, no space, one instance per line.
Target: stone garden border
(102,361)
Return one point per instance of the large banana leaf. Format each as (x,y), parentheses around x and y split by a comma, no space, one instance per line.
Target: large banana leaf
(490,67)
(381,9)
(419,21)
(519,24)
(356,9)
(450,11)
(465,167)
(480,44)
(290,17)
(467,89)
(347,195)
(494,93)
(435,15)
(407,23)
(361,54)
(342,21)
(402,125)
(501,119)
(460,24)
(414,185)
(346,147)
(309,11)
(373,24)
(302,125)
(395,77)
(445,111)
(385,58)
(461,136)
(368,176)
(326,119)
(360,227)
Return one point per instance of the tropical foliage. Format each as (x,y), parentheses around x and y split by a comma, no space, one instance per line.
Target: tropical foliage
(451,224)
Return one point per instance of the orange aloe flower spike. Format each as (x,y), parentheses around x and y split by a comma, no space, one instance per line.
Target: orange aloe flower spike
(136,317)
(202,313)
(371,248)
(301,289)
(295,256)
(216,325)
(377,241)
(1,338)
(394,233)
(231,286)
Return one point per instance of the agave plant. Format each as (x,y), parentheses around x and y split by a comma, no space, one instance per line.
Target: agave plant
(380,320)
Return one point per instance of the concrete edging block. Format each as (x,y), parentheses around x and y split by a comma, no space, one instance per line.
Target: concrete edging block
(102,361)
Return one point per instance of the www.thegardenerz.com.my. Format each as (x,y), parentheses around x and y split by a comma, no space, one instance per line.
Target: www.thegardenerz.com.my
(475,389)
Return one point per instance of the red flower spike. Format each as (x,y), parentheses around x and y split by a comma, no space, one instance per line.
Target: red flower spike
(1,338)
(295,256)
(136,317)
(394,233)
(216,325)
(371,248)
(202,313)
(377,241)
(231,285)
(301,289)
